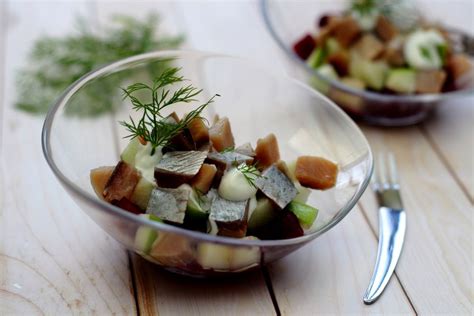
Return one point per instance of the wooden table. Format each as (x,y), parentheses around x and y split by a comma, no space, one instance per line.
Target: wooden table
(55,260)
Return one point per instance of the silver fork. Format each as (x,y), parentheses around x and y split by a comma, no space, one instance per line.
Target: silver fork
(392,225)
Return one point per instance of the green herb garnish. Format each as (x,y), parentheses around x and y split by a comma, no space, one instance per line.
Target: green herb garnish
(55,63)
(228,150)
(250,173)
(364,7)
(425,52)
(152,126)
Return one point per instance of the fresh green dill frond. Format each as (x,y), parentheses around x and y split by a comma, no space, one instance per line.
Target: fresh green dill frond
(152,126)
(250,172)
(56,62)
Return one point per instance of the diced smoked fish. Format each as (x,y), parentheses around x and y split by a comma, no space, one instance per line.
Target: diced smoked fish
(169,204)
(127,205)
(267,151)
(230,217)
(276,186)
(345,30)
(316,172)
(458,65)
(245,149)
(121,183)
(199,131)
(183,140)
(178,167)
(340,62)
(368,47)
(172,250)
(220,135)
(99,177)
(430,81)
(203,180)
(385,29)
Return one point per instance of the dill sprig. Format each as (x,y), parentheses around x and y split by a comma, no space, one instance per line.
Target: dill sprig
(363,6)
(228,150)
(56,62)
(250,172)
(153,127)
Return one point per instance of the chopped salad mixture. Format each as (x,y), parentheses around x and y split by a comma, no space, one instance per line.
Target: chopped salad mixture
(385,47)
(181,171)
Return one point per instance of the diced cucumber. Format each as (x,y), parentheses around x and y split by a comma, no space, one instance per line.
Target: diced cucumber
(317,57)
(332,46)
(198,206)
(145,236)
(263,214)
(197,212)
(306,214)
(401,80)
(129,153)
(141,193)
(327,71)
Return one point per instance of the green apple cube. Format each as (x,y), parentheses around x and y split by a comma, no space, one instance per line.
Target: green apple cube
(141,193)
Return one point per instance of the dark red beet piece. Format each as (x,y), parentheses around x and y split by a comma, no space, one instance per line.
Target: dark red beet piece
(305,46)
(291,227)
(323,20)
(125,204)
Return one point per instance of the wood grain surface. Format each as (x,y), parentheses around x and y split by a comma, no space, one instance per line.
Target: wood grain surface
(54,260)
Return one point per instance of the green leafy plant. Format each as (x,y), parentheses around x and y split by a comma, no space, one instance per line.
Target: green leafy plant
(153,127)
(55,63)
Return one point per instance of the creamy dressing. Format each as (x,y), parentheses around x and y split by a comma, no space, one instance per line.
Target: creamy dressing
(235,187)
(145,162)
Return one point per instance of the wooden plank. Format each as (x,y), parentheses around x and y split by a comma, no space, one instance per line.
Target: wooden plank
(160,292)
(53,258)
(451,133)
(341,253)
(434,268)
(330,275)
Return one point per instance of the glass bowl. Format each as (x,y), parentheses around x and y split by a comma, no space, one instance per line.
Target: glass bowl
(371,107)
(257,102)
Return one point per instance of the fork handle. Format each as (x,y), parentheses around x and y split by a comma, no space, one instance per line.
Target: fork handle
(392,227)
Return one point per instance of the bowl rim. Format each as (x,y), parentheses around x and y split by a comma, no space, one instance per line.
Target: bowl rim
(139,220)
(375,96)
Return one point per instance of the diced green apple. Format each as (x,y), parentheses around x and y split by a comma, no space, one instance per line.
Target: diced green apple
(373,73)
(317,57)
(326,71)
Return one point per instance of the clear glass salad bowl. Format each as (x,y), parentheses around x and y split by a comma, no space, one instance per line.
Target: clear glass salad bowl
(257,102)
(288,21)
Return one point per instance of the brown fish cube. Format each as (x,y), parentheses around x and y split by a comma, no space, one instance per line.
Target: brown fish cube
(368,47)
(178,167)
(199,131)
(172,250)
(316,172)
(183,140)
(267,151)
(458,65)
(346,30)
(99,177)
(430,81)
(203,180)
(127,205)
(230,217)
(340,62)
(385,29)
(221,135)
(121,183)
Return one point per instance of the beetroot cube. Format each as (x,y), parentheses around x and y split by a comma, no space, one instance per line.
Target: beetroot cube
(291,227)
(305,46)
